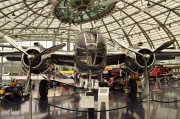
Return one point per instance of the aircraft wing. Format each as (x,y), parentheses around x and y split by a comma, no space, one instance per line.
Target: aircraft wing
(9,52)
(167,54)
(114,58)
(58,57)
(13,55)
(63,58)
(67,58)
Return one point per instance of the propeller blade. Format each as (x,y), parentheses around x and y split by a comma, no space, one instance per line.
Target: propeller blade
(145,84)
(124,46)
(163,46)
(52,49)
(107,2)
(14,44)
(27,86)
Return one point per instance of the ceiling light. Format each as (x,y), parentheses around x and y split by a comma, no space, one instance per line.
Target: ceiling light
(13,14)
(78,11)
(148,4)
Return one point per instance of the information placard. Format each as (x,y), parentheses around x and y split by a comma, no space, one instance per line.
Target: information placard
(103,91)
(87,102)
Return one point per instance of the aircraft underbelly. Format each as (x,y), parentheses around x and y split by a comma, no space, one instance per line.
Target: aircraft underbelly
(85,67)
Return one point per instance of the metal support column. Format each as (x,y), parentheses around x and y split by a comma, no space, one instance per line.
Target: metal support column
(54,39)
(68,42)
(1,68)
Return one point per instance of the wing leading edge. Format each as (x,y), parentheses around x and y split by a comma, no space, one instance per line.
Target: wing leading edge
(67,58)
(12,55)
(114,58)
(63,58)
(167,54)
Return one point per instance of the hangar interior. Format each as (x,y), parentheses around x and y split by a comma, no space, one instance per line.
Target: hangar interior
(52,22)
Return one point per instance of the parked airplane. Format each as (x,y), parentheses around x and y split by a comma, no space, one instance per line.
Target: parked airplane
(90,56)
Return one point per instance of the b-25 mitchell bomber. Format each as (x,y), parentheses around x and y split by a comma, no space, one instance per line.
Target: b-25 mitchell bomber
(90,56)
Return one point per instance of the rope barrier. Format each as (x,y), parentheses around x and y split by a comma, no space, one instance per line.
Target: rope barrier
(89,111)
(92,111)
(165,101)
(16,103)
(109,109)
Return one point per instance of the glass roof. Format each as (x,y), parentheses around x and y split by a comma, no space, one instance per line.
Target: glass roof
(152,22)
(79,11)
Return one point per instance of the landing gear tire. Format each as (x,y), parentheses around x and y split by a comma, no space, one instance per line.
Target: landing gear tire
(132,88)
(43,108)
(43,88)
(17,92)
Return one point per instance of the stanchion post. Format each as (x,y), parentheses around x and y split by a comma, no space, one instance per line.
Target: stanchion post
(30,97)
(90,114)
(148,107)
(54,88)
(30,105)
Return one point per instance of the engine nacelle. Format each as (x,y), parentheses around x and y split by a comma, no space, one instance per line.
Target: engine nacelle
(40,64)
(136,64)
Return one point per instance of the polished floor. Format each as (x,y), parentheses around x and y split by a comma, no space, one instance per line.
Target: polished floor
(62,103)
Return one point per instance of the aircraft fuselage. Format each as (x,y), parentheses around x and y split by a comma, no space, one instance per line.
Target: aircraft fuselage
(90,52)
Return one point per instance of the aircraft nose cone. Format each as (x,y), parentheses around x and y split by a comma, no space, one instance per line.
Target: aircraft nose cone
(91,46)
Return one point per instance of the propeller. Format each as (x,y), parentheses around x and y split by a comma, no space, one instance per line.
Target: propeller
(46,51)
(146,59)
(26,90)
(163,46)
(32,57)
(125,47)
(53,49)
(14,44)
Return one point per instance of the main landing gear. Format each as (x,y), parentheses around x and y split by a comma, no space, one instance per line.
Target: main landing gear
(43,88)
(132,87)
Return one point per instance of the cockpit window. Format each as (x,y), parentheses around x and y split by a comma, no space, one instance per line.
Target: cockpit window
(90,48)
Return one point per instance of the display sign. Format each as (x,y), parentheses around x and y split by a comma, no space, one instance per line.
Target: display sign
(103,96)
(87,102)
(103,91)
